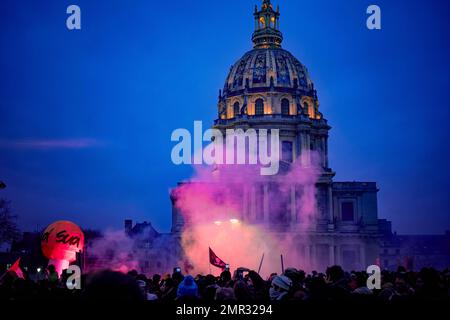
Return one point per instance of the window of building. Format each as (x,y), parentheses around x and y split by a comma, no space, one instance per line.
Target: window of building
(285,106)
(262,22)
(286,151)
(259,106)
(347,211)
(309,109)
(236,109)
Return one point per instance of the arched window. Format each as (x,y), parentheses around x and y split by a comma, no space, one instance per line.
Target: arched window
(285,106)
(236,109)
(259,106)
(262,22)
(309,109)
(272,22)
(306,107)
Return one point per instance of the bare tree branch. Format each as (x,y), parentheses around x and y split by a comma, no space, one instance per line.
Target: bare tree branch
(8,226)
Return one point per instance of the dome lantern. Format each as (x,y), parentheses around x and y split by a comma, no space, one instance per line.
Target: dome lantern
(267,33)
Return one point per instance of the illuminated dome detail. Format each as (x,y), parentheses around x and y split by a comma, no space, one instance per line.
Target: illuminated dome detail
(261,68)
(268,80)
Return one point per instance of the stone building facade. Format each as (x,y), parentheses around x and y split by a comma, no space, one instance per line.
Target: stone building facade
(268,88)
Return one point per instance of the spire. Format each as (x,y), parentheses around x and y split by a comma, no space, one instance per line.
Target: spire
(266,3)
(267,33)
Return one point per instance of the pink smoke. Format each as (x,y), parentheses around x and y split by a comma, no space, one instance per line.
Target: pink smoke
(113,251)
(211,205)
(119,251)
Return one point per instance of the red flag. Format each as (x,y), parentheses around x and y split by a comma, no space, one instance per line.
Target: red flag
(215,260)
(16,268)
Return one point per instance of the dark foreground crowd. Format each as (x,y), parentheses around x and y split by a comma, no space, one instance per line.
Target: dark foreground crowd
(243,286)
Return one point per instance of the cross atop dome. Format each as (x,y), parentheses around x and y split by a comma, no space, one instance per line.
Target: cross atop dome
(267,33)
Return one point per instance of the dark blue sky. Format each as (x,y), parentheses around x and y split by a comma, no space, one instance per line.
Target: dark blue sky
(86,116)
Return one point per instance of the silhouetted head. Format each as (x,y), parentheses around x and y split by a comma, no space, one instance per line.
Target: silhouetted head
(156,279)
(257,281)
(242,292)
(187,287)
(225,276)
(177,277)
(335,273)
(133,273)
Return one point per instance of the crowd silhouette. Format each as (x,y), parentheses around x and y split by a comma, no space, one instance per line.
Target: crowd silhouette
(243,286)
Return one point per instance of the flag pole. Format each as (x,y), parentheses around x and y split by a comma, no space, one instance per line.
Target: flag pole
(282,264)
(260,264)
(209,259)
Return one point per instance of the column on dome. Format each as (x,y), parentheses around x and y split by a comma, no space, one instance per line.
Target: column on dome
(305,155)
(330,204)
(322,151)
(298,147)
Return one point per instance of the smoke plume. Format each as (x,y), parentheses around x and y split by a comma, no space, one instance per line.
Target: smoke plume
(216,206)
